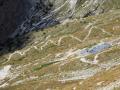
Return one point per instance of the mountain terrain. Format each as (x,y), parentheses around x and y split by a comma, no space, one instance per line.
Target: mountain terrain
(63,45)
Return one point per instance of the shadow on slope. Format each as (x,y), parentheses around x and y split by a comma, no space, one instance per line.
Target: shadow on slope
(15,36)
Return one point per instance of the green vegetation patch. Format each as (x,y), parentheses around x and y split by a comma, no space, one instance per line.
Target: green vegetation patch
(44,65)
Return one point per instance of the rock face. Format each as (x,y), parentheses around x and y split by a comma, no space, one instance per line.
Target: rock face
(45,13)
(12,13)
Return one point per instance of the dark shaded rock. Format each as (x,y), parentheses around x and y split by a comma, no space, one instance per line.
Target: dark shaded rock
(12,13)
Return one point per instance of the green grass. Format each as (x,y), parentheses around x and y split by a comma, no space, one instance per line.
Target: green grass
(44,65)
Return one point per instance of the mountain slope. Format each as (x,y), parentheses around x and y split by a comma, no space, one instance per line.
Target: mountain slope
(12,13)
(77,54)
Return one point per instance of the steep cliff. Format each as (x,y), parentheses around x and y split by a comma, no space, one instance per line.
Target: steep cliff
(12,13)
(36,14)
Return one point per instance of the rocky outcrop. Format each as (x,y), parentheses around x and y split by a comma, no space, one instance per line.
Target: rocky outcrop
(12,13)
(19,17)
